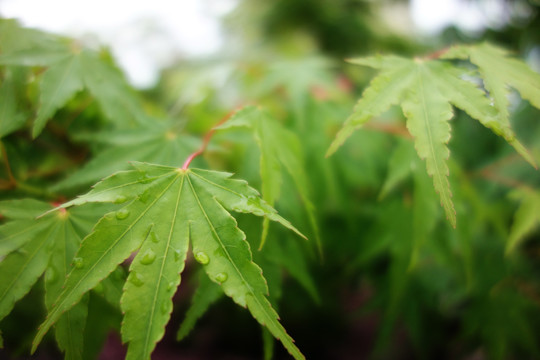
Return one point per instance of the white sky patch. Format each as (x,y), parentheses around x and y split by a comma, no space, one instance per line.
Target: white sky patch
(433,16)
(144,36)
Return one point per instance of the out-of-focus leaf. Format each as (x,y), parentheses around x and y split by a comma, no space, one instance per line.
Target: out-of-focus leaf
(527,217)
(206,294)
(279,147)
(46,246)
(425,89)
(158,143)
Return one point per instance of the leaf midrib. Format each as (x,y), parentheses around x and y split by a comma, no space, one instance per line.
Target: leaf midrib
(173,222)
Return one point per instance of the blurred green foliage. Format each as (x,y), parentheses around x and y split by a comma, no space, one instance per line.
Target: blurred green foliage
(394,281)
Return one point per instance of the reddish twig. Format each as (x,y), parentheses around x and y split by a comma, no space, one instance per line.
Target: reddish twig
(490,172)
(390,129)
(206,140)
(512,183)
(11,179)
(437,54)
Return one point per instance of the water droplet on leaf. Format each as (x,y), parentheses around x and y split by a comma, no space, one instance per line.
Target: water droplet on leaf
(78,262)
(136,278)
(221,277)
(202,258)
(171,286)
(154,237)
(120,199)
(165,308)
(144,197)
(122,214)
(177,255)
(148,257)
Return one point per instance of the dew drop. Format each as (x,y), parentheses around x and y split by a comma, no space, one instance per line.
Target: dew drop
(120,199)
(50,275)
(165,307)
(177,255)
(171,286)
(144,197)
(202,258)
(148,257)
(78,262)
(221,277)
(136,278)
(122,214)
(154,237)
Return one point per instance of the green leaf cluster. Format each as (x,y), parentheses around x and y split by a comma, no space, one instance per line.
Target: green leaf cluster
(166,219)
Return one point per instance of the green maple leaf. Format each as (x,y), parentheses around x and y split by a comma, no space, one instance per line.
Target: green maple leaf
(168,208)
(11,118)
(500,72)
(16,39)
(426,91)
(70,70)
(206,294)
(159,143)
(526,219)
(46,245)
(297,77)
(279,148)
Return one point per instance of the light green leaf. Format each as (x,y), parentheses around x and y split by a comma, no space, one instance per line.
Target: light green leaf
(47,245)
(158,143)
(428,113)
(19,231)
(109,87)
(174,207)
(23,209)
(384,91)
(206,294)
(216,232)
(527,217)
(402,162)
(68,329)
(18,43)
(70,70)
(58,85)
(499,71)
(10,118)
(154,273)
(297,77)
(425,89)
(289,255)
(279,147)
(20,269)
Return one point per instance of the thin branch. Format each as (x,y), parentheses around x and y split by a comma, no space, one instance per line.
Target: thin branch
(206,140)
(503,180)
(11,179)
(437,54)
(389,128)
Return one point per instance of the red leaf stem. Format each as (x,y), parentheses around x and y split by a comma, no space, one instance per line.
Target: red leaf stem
(206,140)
